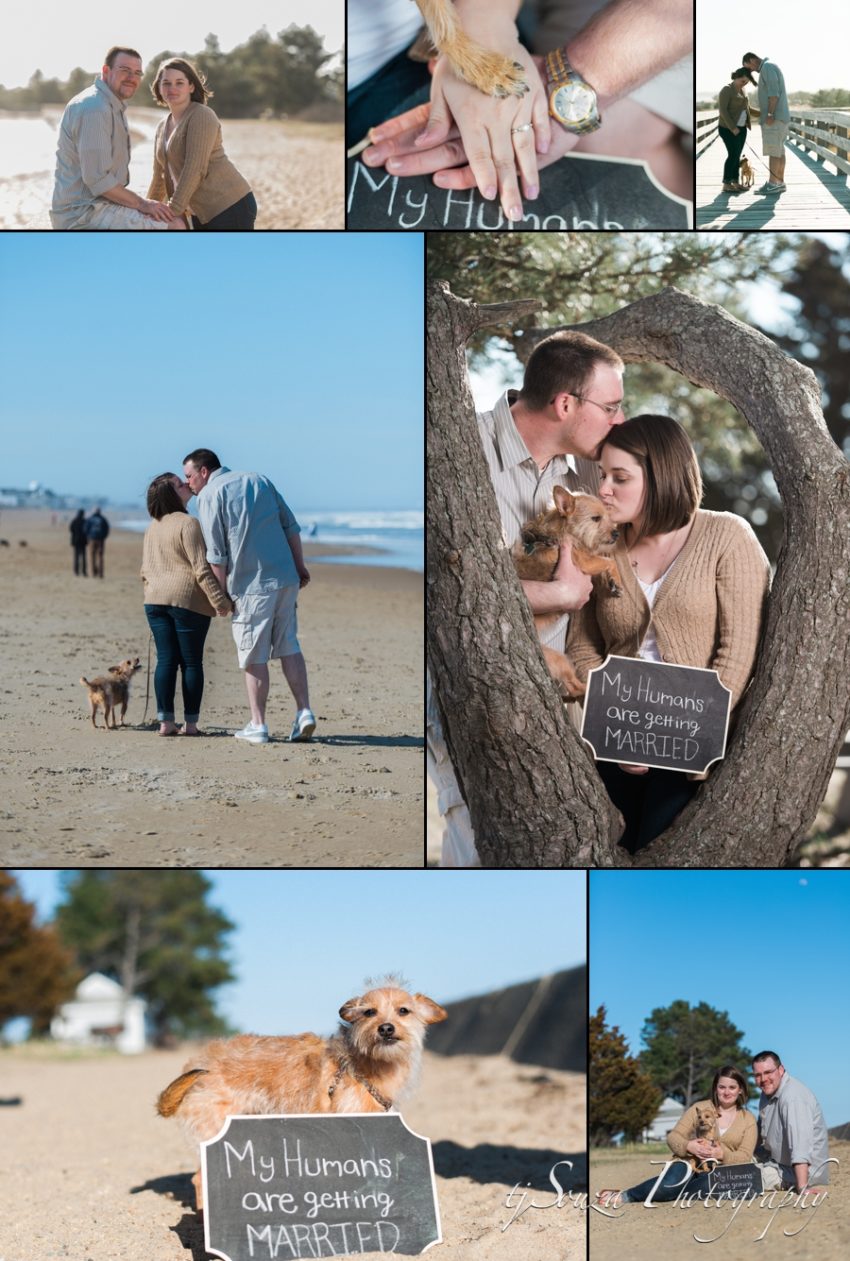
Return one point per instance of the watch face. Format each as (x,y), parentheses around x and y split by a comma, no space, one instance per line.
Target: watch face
(573,102)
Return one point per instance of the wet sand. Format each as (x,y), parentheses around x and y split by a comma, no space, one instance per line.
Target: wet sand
(90,1171)
(73,796)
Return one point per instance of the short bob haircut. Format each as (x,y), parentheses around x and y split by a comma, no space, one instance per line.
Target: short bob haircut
(672,481)
(563,363)
(200,92)
(729,1070)
(163,497)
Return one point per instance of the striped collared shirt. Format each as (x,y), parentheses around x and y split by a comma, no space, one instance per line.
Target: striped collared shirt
(523,489)
(93,154)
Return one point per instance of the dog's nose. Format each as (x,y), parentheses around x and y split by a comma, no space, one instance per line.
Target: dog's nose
(615,534)
(386,1031)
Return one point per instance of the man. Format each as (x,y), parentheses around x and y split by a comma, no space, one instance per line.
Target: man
(254,550)
(97,532)
(774,116)
(572,395)
(93,157)
(77,530)
(792,1132)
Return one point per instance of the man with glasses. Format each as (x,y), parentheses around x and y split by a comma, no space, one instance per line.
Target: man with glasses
(93,158)
(548,434)
(793,1151)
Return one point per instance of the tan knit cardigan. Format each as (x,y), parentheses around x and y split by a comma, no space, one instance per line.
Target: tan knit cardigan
(708,611)
(175,569)
(738,1143)
(206,178)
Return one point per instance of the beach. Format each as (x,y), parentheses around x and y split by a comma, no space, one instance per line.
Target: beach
(92,1173)
(74,796)
(667,1231)
(295,169)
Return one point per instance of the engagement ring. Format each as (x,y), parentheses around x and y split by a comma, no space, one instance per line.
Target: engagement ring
(524,127)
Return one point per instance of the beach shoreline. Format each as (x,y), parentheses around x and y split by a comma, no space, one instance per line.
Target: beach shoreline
(353,797)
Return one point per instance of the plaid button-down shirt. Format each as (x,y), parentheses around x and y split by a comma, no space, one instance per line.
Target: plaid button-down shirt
(93,154)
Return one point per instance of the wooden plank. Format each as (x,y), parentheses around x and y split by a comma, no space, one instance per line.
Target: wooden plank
(815,198)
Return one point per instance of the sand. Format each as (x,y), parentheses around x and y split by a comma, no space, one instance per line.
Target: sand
(72,796)
(294,168)
(666,1233)
(91,1173)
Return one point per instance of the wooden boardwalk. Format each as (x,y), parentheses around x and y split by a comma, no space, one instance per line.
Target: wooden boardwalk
(816,198)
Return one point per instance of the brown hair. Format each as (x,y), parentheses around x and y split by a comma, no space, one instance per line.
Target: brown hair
(200,92)
(163,497)
(203,458)
(729,1070)
(768,1055)
(109,59)
(562,363)
(672,481)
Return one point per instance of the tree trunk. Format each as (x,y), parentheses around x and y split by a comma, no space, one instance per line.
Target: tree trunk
(759,803)
(534,797)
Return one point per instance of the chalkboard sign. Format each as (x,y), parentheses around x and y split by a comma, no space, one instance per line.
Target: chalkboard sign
(318,1186)
(580,192)
(648,713)
(735,1181)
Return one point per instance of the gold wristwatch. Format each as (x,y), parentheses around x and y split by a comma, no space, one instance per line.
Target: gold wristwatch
(572,101)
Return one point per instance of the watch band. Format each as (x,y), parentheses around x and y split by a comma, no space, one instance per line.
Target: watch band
(559,74)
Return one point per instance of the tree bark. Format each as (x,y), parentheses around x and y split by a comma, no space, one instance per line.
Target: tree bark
(534,797)
(759,803)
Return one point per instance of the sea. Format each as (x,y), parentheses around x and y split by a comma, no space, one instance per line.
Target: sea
(393,538)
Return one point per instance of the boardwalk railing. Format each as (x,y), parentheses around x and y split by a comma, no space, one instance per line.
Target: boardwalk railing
(706,128)
(825,132)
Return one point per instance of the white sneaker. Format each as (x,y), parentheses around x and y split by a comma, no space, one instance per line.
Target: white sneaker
(304,725)
(253,733)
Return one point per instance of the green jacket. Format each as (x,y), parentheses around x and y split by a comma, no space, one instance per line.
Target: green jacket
(730,103)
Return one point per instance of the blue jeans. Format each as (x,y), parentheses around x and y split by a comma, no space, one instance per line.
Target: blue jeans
(379,97)
(648,803)
(678,1178)
(179,636)
(236,218)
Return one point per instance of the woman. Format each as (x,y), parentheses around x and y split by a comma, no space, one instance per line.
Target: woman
(736,1129)
(694,588)
(181,595)
(191,168)
(733,124)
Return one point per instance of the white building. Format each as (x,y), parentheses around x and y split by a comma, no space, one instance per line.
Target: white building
(99,1015)
(665,1118)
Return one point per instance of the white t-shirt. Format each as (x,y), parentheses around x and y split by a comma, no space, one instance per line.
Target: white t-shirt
(377,31)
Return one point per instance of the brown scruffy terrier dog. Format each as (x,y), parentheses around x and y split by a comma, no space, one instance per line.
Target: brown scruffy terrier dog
(368,1066)
(110,691)
(706,1128)
(747,174)
(492,73)
(585,522)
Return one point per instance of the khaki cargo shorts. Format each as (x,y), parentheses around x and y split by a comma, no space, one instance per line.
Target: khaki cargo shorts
(265,626)
(773,139)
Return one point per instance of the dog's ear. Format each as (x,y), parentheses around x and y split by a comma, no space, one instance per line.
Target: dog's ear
(351,1010)
(564,501)
(114,669)
(429,1012)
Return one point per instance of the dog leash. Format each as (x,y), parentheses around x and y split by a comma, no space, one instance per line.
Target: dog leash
(345,1067)
(148,684)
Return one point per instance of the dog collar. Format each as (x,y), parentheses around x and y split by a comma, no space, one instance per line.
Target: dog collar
(345,1067)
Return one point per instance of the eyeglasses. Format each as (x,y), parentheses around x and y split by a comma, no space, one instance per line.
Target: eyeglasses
(610,409)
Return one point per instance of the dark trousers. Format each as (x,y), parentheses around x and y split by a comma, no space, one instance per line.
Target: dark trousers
(236,218)
(734,149)
(97,557)
(648,803)
(678,1178)
(80,559)
(179,636)
(378,97)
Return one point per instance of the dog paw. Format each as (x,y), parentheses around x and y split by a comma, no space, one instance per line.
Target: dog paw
(493,74)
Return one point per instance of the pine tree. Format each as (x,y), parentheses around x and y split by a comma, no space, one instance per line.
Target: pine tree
(623,1098)
(686,1045)
(36,971)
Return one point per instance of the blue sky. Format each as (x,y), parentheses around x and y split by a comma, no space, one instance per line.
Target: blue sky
(299,355)
(306,940)
(770,948)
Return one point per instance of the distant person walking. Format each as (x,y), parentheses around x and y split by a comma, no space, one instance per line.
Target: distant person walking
(191,168)
(733,124)
(254,549)
(79,539)
(774,116)
(97,532)
(93,158)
